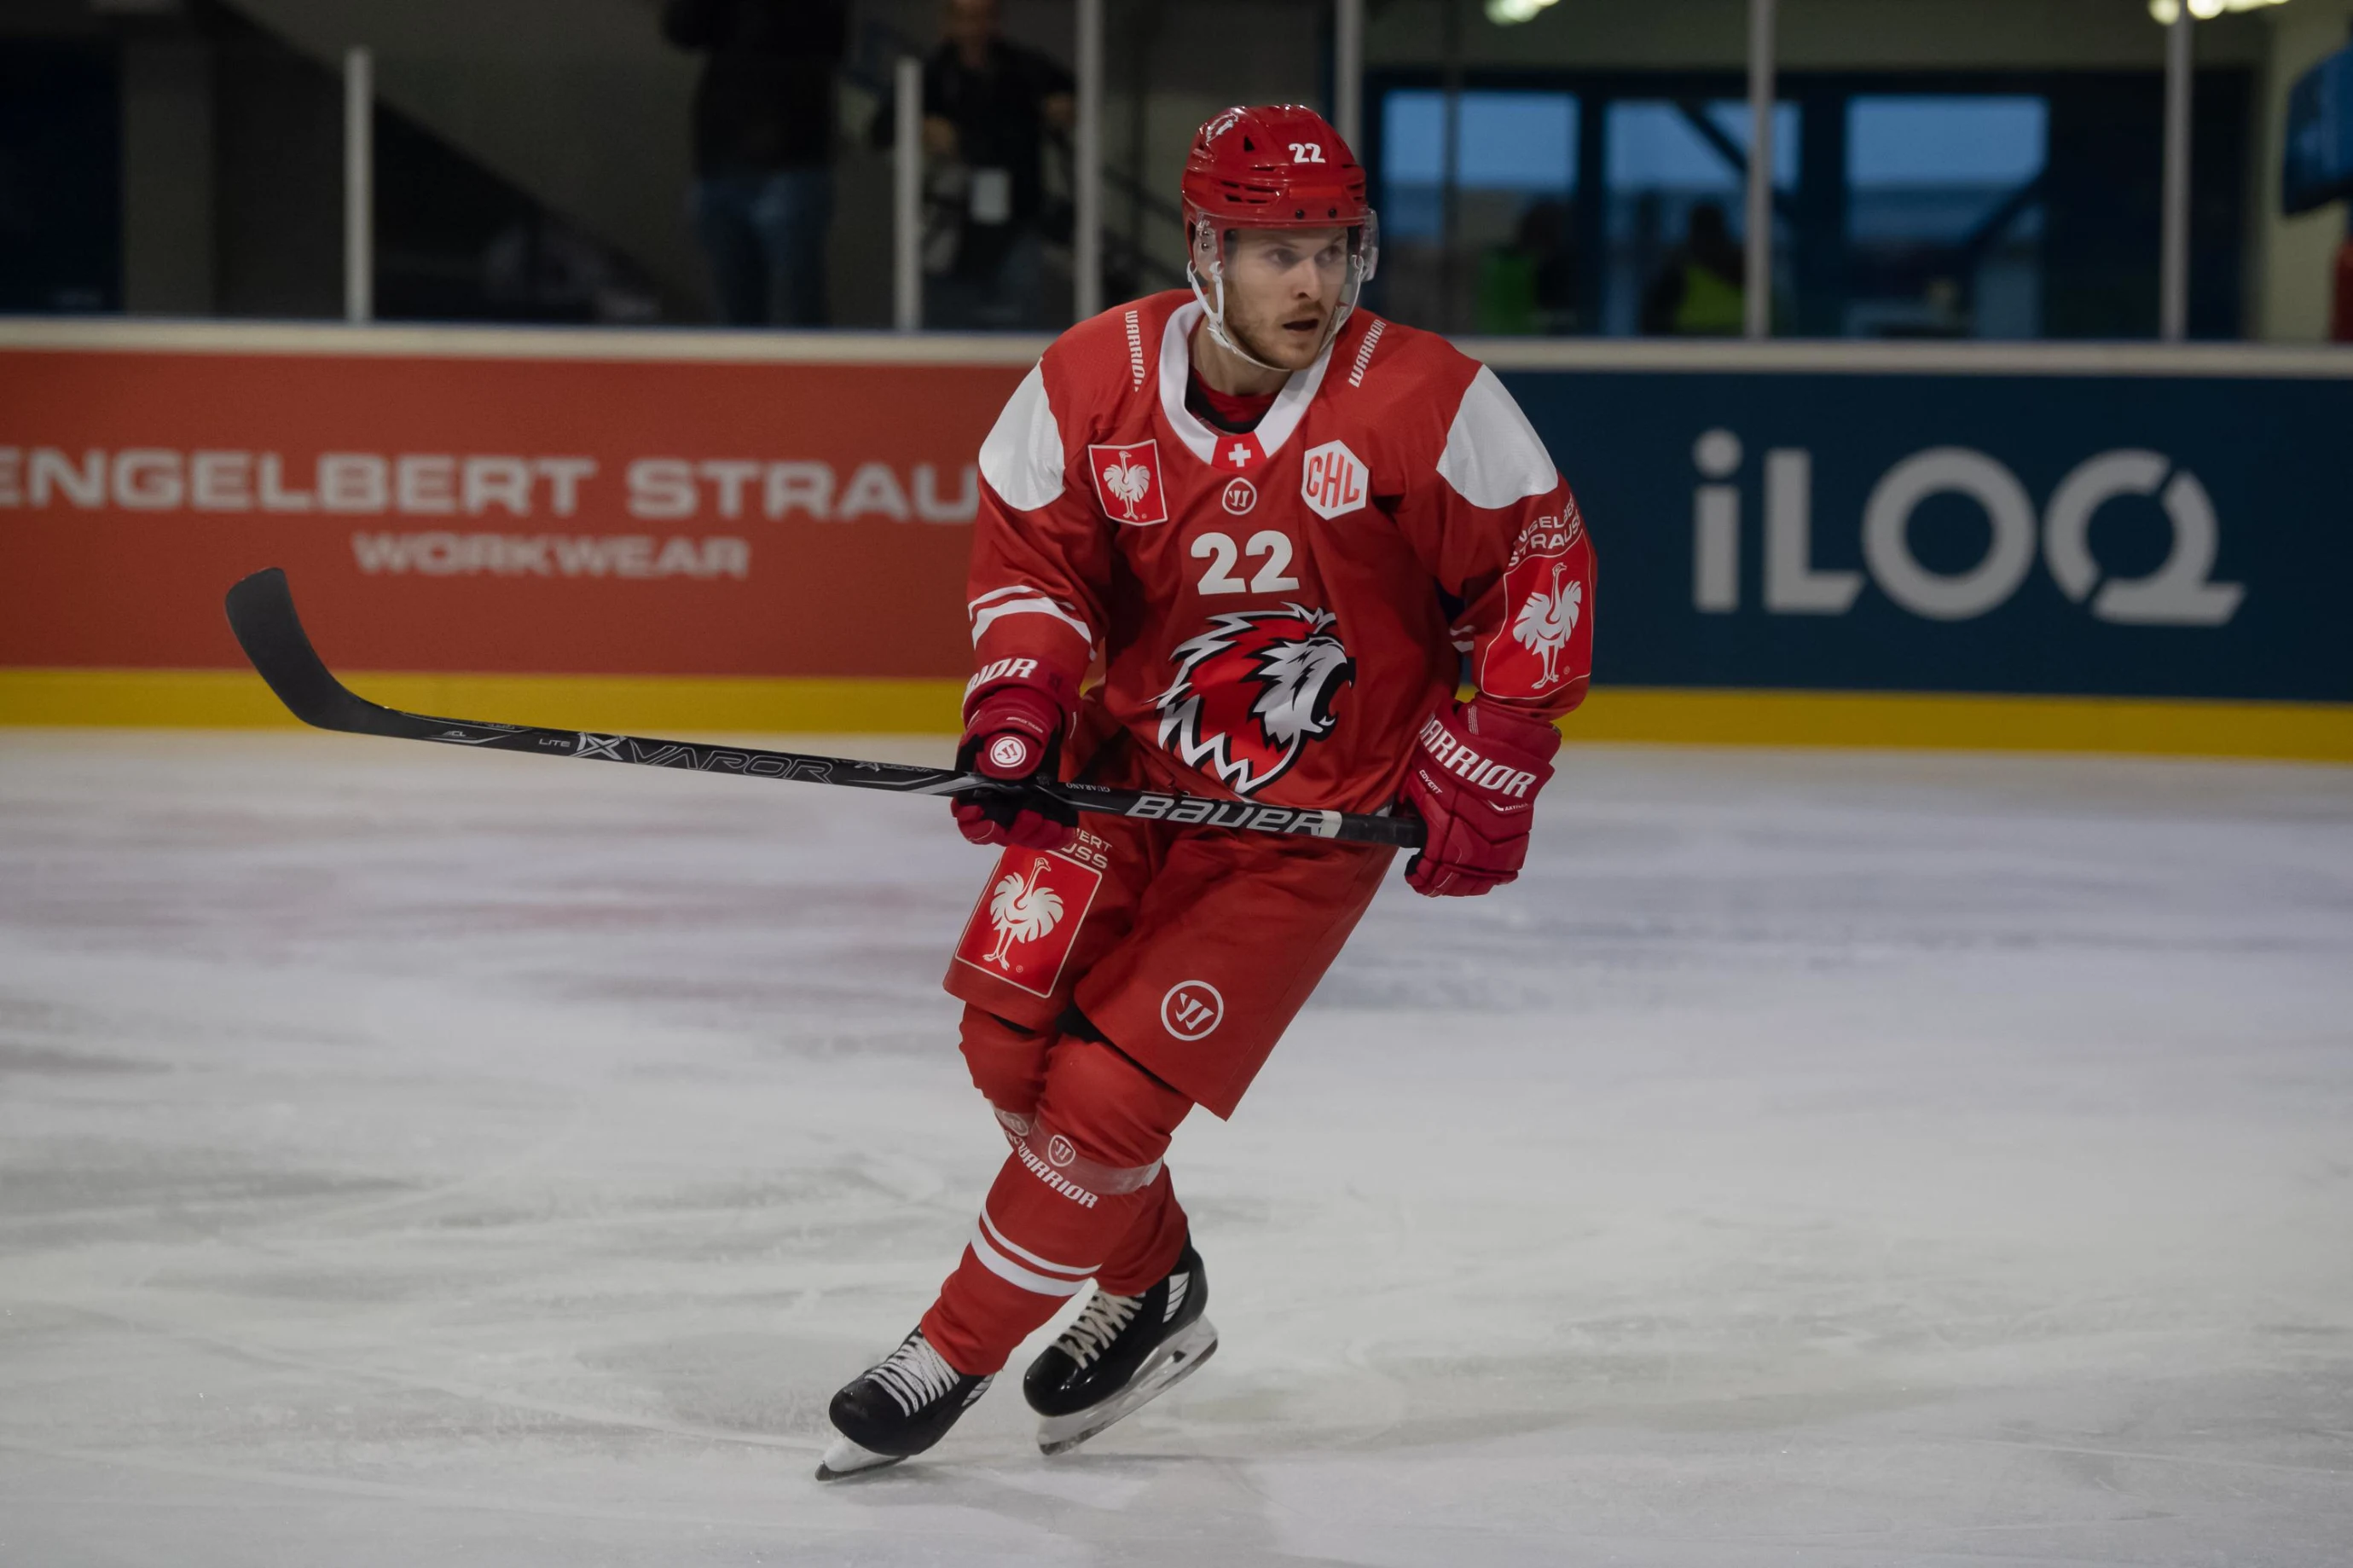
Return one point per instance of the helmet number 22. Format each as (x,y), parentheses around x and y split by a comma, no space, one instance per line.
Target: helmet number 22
(1220,552)
(1306,152)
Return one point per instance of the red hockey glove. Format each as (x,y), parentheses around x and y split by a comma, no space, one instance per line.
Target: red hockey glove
(1013,732)
(1473,781)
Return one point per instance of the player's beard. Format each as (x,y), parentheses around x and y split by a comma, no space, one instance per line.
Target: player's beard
(1269,340)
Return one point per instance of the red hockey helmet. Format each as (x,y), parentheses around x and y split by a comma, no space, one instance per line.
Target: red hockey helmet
(1277,165)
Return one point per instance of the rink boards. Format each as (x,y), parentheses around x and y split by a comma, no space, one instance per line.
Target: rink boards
(2044,546)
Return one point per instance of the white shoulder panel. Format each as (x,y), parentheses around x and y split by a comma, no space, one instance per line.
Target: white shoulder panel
(1493,456)
(1022,459)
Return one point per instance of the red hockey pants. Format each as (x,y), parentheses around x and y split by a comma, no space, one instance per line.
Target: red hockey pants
(1189,950)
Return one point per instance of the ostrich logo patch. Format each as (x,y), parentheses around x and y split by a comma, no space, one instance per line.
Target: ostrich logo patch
(1028,915)
(1251,692)
(1127,482)
(1546,644)
(1548,619)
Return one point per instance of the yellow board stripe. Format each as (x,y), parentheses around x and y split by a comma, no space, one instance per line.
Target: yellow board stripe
(2311,732)
(2314,732)
(228,698)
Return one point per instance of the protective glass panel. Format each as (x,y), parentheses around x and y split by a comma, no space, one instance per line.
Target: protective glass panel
(1945,216)
(1674,218)
(1502,261)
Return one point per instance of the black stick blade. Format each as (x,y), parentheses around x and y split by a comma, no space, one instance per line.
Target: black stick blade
(261,614)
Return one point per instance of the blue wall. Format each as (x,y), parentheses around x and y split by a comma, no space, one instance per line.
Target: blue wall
(2058,598)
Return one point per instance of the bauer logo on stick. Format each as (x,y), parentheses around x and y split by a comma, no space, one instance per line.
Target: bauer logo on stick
(1127,482)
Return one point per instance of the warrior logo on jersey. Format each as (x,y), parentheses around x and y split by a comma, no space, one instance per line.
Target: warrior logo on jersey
(1127,482)
(1252,691)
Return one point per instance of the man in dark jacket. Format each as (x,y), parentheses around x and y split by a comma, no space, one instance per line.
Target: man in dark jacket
(763,119)
(988,106)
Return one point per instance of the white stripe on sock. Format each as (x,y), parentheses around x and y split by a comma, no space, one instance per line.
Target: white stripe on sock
(996,1234)
(1013,1274)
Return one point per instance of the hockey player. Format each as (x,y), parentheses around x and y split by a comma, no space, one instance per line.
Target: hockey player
(1231,542)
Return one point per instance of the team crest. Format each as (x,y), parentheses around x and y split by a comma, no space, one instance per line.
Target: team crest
(1127,482)
(1251,692)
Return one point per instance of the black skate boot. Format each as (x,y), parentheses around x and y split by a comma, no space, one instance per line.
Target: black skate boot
(1120,1354)
(898,1407)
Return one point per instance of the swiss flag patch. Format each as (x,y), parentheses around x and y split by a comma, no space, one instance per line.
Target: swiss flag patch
(1539,649)
(1236,453)
(1127,482)
(1028,916)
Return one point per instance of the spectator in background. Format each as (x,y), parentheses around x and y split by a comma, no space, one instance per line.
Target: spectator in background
(1530,285)
(1700,290)
(764,117)
(987,106)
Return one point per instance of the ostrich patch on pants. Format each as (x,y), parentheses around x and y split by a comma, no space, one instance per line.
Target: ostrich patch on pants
(1028,916)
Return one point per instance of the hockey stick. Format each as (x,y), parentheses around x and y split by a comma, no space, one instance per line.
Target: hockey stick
(261,614)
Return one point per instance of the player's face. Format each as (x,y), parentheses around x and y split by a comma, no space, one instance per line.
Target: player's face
(1283,286)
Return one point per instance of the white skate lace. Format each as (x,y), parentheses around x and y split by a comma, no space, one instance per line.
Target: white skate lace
(913,1374)
(1100,1323)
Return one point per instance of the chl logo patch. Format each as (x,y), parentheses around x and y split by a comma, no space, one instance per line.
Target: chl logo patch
(1028,914)
(1192,1010)
(1333,479)
(1127,482)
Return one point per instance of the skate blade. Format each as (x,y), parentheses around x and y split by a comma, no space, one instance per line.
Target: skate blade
(1175,1362)
(845,1457)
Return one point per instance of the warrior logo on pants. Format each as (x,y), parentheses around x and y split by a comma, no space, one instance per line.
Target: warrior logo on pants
(1252,691)
(1192,1009)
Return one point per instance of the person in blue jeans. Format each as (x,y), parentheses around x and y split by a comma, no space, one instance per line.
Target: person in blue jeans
(764,119)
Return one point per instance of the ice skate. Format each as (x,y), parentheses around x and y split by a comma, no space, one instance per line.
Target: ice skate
(1121,1352)
(896,1409)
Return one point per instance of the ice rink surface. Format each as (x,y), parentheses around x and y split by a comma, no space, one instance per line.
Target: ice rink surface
(413,1156)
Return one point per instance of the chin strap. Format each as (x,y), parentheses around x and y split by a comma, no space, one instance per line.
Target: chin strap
(1215,320)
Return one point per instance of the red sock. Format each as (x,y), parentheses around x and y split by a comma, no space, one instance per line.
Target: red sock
(1082,1196)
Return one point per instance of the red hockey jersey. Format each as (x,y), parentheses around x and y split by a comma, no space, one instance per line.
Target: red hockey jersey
(1276,613)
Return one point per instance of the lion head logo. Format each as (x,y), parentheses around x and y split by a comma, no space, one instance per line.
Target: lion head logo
(1251,692)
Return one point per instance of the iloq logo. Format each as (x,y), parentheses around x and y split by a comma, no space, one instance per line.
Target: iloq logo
(2180,591)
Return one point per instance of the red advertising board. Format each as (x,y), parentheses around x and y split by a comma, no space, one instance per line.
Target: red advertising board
(494,513)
